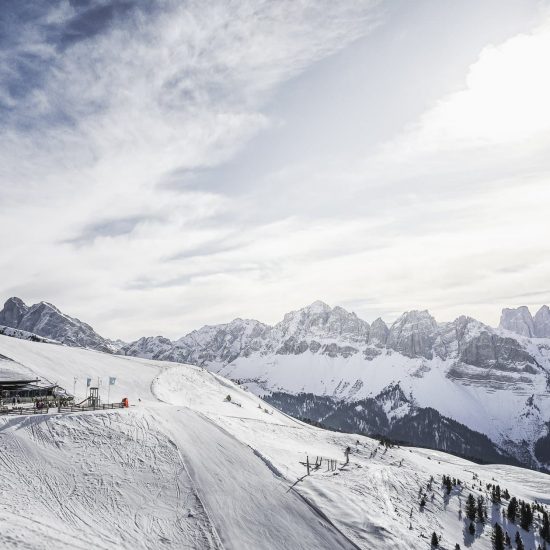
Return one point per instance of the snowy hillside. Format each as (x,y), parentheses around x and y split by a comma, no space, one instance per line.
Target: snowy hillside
(188,467)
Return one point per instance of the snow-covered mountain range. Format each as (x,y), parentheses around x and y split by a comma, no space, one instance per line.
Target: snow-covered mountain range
(466,377)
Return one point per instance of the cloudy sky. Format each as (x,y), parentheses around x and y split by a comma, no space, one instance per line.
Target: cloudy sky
(169,164)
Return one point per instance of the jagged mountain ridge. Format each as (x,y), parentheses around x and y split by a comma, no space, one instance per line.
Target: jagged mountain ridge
(334,332)
(45,320)
(520,321)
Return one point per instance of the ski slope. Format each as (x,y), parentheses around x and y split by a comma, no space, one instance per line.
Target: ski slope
(186,468)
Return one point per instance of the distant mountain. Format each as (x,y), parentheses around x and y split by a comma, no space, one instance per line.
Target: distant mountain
(45,320)
(393,415)
(520,321)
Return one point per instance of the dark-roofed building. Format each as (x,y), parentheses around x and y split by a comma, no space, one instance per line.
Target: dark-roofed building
(26,389)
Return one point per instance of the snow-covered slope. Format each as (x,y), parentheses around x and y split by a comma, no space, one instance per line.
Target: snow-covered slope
(24,335)
(188,467)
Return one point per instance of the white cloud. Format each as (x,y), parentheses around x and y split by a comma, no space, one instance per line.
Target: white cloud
(110,117)
(504,103)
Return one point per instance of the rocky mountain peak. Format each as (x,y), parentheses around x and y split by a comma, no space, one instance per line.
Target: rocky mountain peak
(518,320)
(542,322)
(413,334)
(321,322)
(378,334)
(14,310)
(45,320)
(317,307)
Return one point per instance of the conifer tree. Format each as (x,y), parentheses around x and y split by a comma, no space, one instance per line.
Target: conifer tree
(471,507)
(435,540)
(525,516)
(448,484)
(507,540)
(472,528)
(497,537)
(481,512)
(519,542)
(512,509)
(545,527)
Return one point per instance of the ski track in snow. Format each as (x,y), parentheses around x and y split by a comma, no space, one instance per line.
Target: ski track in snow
(108,477)
(190,469)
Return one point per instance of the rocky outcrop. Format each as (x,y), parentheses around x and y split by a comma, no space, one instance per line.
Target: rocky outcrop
(320,322)
(413,334)
(378,334)
(149,347)
(492,351)
(518,320)
(541,321)
(13,312)
(210,344)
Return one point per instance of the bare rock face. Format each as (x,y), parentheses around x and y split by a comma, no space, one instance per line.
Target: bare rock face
(222,343)
(47,321)
(378,335)
(14,310)
(518,320)
(149,347)
(319,321)
(413,334)
(504,354)
(308,328)
(542,322)
(455,335)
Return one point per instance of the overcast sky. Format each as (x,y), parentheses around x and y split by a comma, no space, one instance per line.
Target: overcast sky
(169,164)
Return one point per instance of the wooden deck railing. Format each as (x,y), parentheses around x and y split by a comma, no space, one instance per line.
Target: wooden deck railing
(62,409)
